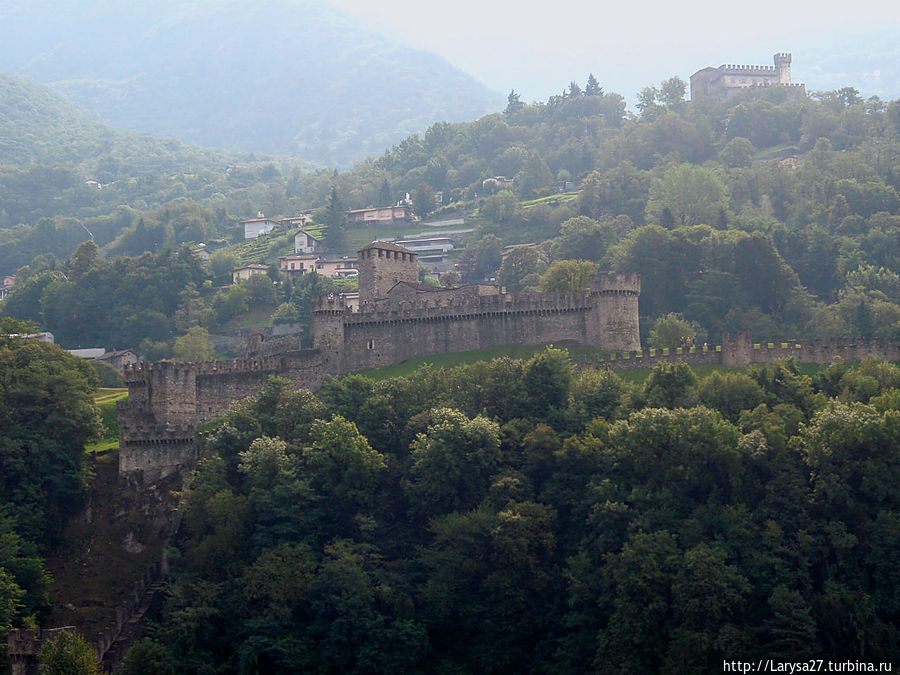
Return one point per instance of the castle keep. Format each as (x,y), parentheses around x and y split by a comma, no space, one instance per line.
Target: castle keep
(726,81)
(398,319)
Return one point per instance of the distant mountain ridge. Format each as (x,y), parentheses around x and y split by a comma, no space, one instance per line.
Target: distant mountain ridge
(275,76)
(39,126)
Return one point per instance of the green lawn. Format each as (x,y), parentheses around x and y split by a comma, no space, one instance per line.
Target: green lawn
(775,150)
(106,400)
(450,360)
(552,200)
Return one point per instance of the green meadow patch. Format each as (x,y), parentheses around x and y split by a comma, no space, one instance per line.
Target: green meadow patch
(106,400)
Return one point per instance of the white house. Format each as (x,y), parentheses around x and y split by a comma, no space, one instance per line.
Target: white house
(306,243)
(242,273)
(253,227)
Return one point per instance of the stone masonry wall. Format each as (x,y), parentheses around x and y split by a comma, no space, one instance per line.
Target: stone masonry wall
(742,351)
(381,342)
(168,401)
(23,647)
(381,266)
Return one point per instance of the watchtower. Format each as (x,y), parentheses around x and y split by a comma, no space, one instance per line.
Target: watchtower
(381,265)
(783,68)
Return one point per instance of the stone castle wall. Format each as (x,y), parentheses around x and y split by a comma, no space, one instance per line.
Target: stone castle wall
(727,81)
(151,450)
(742,351)
(168,400)
(411,326)
(383,341)
(24,646)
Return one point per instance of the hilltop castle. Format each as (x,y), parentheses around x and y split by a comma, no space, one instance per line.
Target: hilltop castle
(398,319)
(726,81)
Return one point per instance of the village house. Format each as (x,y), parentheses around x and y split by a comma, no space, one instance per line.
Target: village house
(336,268)
(200,252)
(304,242)
(7,286)
(301,220)
(497,183)
(383,215)
(43,336)
(254,227)
(120,358)
(88,352)
(297,265)
(247,271)
(427,245)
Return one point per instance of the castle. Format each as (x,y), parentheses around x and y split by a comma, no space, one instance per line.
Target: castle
(726,81)
(398,319)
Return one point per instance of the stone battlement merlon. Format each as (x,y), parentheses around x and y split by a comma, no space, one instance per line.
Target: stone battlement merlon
(184,439)
(728,80)
(757,85)
(743,69)
(140,373)
(263,364)
(142,370)
(431,307)
(396,318)
(615,283)
(30,641)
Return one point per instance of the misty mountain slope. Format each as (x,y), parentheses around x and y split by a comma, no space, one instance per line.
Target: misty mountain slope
(276,76)
(38,126)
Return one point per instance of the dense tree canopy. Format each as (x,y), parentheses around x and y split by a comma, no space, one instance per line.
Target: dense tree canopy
(518,517)
(46,396)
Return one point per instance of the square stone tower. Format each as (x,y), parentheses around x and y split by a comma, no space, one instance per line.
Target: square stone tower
(783,67)
(381,265)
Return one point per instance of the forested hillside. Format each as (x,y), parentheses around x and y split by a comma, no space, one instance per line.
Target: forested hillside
(277,76)
(66,177)
(48,416)
(767,214)
(514,516)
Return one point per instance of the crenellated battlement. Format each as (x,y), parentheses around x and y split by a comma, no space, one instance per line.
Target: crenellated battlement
(424,307)
(24,645)
(629,283)
(329,302)
(144,370)
(729,80)
(741,351)
(398,319)
(743,69)
(787,85)
(268,364)
(142,373)
(259,347)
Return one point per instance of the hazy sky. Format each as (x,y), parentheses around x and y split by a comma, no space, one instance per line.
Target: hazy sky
(537,48)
